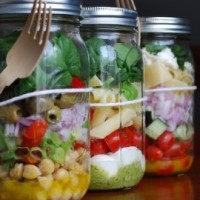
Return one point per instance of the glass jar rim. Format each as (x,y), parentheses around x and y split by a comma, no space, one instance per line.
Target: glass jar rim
(64,7)
(165,25)
(109,16)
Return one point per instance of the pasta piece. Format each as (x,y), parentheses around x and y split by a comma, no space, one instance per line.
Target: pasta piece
(100,115)
(95,82)
(108,97)
(113,123)
(182,75)
(97,93)
(156,74)
(174,83)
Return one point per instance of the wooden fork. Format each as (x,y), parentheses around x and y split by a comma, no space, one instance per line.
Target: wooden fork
(24,55)
(125,4)
(129,4)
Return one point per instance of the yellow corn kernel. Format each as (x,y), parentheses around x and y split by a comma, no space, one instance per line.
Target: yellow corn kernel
(67,194)
(45,181)
(55,192)
(40,195)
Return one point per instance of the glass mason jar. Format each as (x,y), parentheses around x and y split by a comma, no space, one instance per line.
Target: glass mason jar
(116,102)
(44,132)
(169,86)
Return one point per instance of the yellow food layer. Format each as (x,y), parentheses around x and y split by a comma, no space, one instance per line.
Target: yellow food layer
(169,167)
(45,188)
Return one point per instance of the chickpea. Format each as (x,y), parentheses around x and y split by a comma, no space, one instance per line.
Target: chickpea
(76,168)
(71,158)
(31,172)
(17,171)
(46,166)
(61,174)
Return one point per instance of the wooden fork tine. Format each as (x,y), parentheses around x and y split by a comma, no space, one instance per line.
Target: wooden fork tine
(42,26)
(117,2)
(31,17)
(37,22)
(132,5)
(123,5)
(128,4)
(47,31)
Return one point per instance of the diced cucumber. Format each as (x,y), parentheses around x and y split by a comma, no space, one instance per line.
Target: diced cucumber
(156,128)
(184,132)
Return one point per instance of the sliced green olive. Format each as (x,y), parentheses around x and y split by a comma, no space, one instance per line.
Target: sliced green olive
(10,113)
(53,115)
(38,104)
(65,100)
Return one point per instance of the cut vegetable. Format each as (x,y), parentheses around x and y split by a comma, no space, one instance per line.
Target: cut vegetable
(156,128)
(184,132)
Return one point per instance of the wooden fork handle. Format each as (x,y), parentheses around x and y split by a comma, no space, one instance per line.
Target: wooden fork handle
(6,78)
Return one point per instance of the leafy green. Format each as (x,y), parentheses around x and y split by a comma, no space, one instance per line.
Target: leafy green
(97,59)
(114,64)
(55,147)
(182,54)
(152,47)
(61,60)
(7,41)
(129,91)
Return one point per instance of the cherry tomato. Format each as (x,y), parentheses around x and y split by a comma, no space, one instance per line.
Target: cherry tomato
(129,137)
(77,83)
(33,135)
(113,141)
(176,150)
(79,144)
(153,153)
(165,140)
(98,146)
(188,144)
(31,142)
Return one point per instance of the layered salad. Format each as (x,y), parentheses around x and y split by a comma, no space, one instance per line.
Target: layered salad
(169,79)
(44,148)
(116,123)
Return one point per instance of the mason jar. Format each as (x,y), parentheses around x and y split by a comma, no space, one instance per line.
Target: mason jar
(44,145)
(169,87)
(116,101)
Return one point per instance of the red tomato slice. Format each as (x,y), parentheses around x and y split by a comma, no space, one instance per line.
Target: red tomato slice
(113,141)
(176,150)
(165,141)
(33,135)
(153,153)
(36,130)
(129,137)
(77,83)
(98,146)
(31,142)
(79,144)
